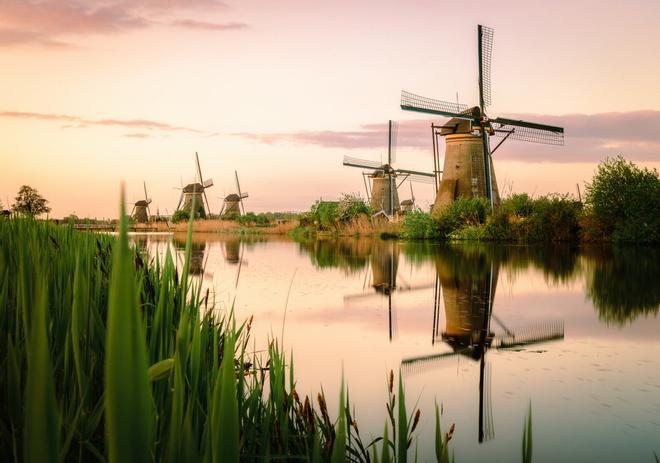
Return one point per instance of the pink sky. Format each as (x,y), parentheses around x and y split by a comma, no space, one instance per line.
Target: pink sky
(96,92)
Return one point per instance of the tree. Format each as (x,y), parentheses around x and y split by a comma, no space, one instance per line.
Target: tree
(625,200)
(30,202)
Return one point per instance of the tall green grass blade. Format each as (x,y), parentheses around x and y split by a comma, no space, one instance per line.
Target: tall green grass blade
(224,415)
(339,446)
(402,438)
(128,412)
(42,423)
(527,437)
(386,457)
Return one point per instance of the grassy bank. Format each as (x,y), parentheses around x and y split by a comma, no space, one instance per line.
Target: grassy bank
(106,355)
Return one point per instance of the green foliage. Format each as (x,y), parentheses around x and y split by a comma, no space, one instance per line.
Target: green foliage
(30,202)
(420,225)
(527,437)
(625,200)
(350,207)
(180,216)
(548,218)
(140,366)
(258,220)
(325,215)
(463,212)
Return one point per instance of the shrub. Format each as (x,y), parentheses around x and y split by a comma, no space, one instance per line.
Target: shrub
(350,207)
(419,225)
(325,214)
(180,216)
(463,212)
(625,200)
(554,218)
(518,204)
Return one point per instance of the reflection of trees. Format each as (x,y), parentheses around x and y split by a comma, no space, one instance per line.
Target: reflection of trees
(622,282)
(557,262)
(348,254)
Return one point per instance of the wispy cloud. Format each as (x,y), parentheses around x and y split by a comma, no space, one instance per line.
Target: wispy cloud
(208,26)
(635,134)
(137,135)
(46,22)
(76,121)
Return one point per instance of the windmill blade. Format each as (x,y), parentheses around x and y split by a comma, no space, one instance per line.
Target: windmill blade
(392,136)
(179,203)
(528,131)
(485,43)
(240,195)
(199,169)
(421,104)
(530,335)
(361,163)
(420,363)
(146,196)
(421,179)
(415,172)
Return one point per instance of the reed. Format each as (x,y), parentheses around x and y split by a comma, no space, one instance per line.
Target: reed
(106,355)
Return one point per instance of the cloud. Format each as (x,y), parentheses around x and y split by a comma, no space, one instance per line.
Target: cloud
(137,135)
(76,121)
(634,134)
(45,22)
(207,26)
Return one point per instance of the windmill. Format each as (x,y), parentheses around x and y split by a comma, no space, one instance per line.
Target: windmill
(230,206)
(468,168)
(196,190)
(467,287)
(408,205)
(383,191)
(140,212)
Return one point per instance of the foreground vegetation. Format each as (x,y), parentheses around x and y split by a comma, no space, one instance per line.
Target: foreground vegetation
(622,205)
(106,355)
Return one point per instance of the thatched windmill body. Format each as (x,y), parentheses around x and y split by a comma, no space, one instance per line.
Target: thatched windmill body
(382,192)
(233,203)
(196,193)
(468,168)
(140,212)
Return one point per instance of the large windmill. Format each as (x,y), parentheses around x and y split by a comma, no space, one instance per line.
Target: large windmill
(196,191)
(383,191)
(231,203)
(468,168)
(140,212)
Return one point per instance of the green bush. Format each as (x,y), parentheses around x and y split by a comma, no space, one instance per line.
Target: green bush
(625,201)
(520,205)
(250,218)
(180,216)
(350,207)
(420,225)
(325,214)
(461,213)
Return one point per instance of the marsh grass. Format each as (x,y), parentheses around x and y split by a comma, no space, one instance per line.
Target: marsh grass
(107,355)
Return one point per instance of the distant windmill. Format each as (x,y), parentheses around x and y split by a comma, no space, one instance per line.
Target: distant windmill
(230,206)
(408,205)
(140,212)
(468,169)
(383,194)
(197,191)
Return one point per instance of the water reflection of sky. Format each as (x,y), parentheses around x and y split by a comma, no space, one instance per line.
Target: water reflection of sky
(595,393)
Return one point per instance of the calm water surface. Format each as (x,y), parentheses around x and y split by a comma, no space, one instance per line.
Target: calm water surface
(482,329)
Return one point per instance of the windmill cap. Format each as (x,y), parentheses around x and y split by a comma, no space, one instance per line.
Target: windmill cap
(193,188)
(232,197)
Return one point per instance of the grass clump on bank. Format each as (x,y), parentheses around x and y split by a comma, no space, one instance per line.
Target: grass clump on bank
(106,355)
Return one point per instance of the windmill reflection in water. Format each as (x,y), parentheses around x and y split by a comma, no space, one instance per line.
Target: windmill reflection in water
(466,286)
(384,265)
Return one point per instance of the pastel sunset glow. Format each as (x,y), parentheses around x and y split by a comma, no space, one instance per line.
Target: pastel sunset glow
(100,92)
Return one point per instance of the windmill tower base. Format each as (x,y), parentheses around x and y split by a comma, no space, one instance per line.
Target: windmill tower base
(464,173)
(380,194)
(140,214)
(231,207)
(200,211)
